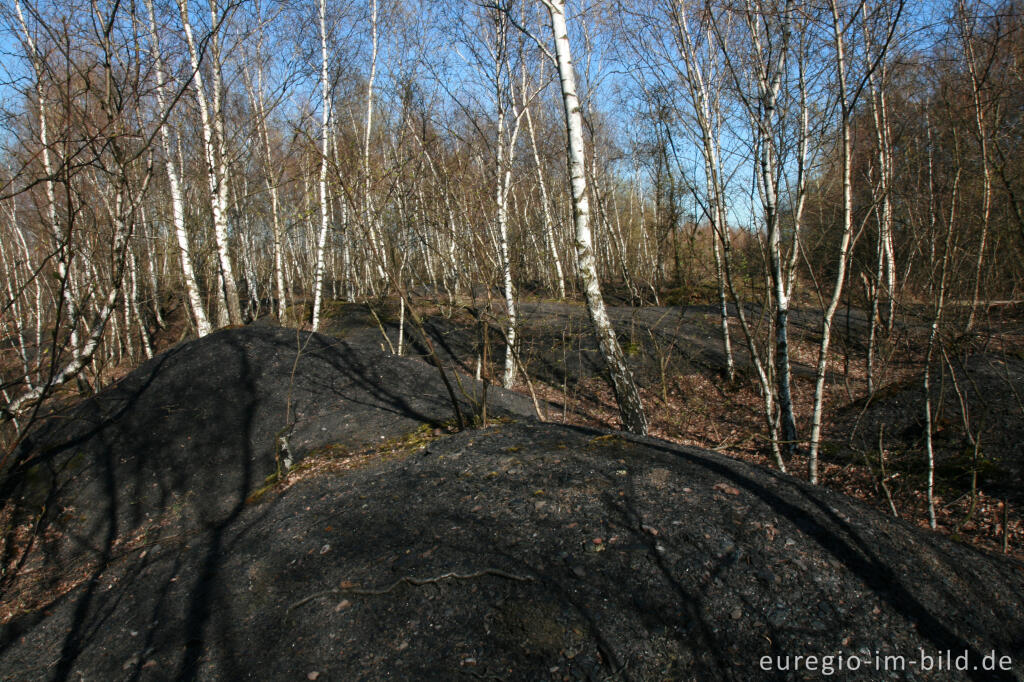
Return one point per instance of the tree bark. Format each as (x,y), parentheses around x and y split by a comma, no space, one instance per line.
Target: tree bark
(195,298)
(212,123)
(626,394)
(318,278)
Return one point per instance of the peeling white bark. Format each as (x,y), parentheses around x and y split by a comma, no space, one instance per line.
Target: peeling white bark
(211,112)
(325,123)
(628,397)
(174,181)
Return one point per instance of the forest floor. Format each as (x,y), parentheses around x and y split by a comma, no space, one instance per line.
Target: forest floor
(149,532)
(872,449)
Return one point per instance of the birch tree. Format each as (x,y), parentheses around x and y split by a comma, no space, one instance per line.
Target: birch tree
(882,186)
(631,408)
(325,128)
(770,35)
(101,121)
(63,254)
(271,176)
(549,223)
(848,91)
(940,300)
(369,216)
(977,69)
(211,111)
(504,150)
(703,76)
(174,182)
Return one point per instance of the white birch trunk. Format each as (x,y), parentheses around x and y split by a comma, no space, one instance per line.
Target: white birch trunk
(84,355)
(981,130)
(150,262)
(369,216)
(884,266)
(708,118)
(258,100)
(212,123)
(133,299)
(932,338)
(318,279)
(630,406)
(846,154)
(69,290)
(174,181)
(549,223)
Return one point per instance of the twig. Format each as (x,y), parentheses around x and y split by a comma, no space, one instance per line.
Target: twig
(281,437)
(416,582)
(1006,526)
(380,325)
(885,478)
(964,411)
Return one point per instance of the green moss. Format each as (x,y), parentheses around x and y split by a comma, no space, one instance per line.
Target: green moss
(269,483)
(676,296)
(333,308)
(398,447)
(606,440)
(699,293)
(412,441)
(38,482)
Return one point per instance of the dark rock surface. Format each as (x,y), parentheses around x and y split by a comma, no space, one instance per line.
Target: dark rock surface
(518,551)
(191,434)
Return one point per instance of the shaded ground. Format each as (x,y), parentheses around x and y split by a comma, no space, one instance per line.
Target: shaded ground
(185,439)
(677,357)
(990,387)
(518,551)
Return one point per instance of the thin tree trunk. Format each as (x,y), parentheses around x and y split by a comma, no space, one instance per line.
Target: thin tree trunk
(270,177)
(932,337)
(884,266)
(133,298)
(981,130)
(174,181)
(846,154)
(63,260)
(318,279)
(368,211)
(84,355)
(501,195)
(549,223)
(707,115)
(215,155)
(626,394)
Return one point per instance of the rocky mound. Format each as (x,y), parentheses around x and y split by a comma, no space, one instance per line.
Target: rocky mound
(518,551)
(989,385)
(187,437)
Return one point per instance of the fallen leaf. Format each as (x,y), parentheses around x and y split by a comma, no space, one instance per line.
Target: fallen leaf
(726,488)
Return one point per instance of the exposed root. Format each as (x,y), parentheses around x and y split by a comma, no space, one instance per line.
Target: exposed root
(416,582)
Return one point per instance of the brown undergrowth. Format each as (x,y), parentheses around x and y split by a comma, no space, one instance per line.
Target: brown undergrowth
(703,410)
